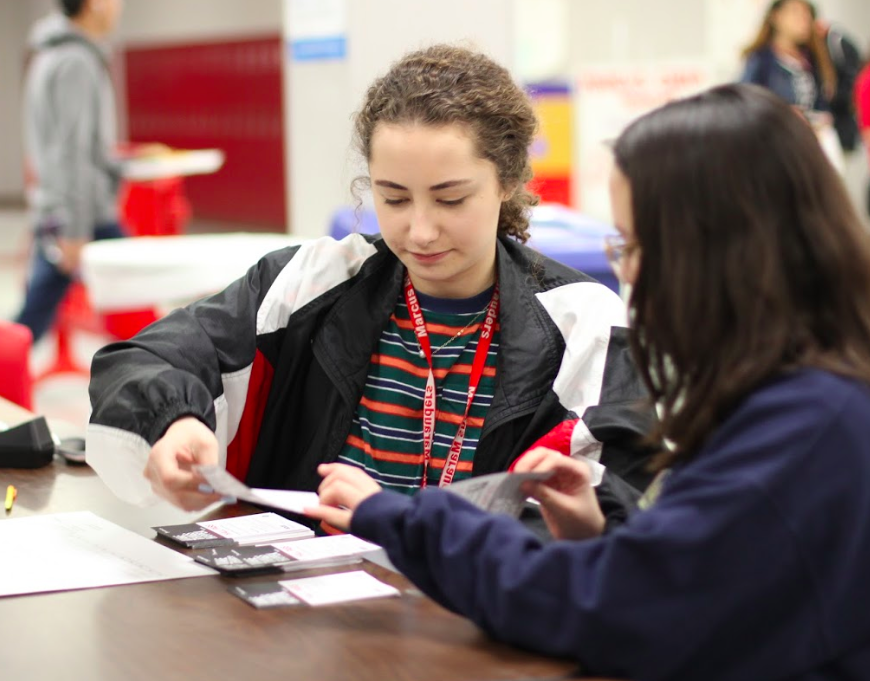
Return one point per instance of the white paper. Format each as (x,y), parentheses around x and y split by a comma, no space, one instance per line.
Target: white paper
(325,547)
(64,551)
(340,588)
(253,525)
(498,492)
(286,500)
(307,19)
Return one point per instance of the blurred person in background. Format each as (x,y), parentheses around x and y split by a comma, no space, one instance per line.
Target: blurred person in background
(789,57)
(70,134)
(846,60)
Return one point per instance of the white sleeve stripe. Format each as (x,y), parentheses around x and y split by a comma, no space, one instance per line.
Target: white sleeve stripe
(584,445)
(230,406)
(317,267)
(119,458)
(584,313)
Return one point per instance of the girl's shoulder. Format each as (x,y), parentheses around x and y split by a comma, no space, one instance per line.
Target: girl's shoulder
(794,412)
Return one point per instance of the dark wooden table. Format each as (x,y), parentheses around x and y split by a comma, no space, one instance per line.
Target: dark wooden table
(194,629)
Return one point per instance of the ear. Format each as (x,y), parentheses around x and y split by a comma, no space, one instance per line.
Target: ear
(507,193)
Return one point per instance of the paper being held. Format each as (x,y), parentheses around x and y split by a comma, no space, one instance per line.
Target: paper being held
(225,484)
(497,492)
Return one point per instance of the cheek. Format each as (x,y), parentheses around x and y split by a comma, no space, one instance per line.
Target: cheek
(478,223)
(388,221)
(486,214)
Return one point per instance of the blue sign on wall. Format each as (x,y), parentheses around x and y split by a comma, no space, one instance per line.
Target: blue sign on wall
(319,49)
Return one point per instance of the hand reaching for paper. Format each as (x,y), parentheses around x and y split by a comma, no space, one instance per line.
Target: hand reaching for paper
(187,443)
(342,490)
(568,501)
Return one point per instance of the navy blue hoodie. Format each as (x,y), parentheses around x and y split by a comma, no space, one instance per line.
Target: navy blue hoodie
(753,564)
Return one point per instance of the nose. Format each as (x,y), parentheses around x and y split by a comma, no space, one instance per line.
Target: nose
(423,229)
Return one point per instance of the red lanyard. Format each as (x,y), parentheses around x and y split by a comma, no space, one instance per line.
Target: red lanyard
(429,396)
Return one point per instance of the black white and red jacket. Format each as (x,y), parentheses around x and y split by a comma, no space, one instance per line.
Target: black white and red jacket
(276,364)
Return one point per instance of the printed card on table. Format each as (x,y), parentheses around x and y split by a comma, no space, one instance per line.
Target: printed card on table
(244,561)
(192,536)
(264,595)
(339,588)
(320,548)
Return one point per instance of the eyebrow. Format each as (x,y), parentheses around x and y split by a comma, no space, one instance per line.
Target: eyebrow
(434,188)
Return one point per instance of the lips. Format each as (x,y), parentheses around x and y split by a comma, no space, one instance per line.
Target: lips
(429,257)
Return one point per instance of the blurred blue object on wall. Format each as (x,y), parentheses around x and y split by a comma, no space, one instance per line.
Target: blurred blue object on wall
(560,233)
(347,220)
(573,239)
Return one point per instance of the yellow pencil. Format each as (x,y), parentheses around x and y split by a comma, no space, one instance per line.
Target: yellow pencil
(11,493)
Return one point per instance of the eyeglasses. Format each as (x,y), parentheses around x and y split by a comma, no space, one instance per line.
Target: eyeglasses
(618,249)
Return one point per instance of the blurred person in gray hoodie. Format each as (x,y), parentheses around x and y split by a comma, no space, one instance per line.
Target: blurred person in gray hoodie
(70,135)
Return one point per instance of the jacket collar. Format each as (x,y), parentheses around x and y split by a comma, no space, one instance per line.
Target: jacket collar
(530,346)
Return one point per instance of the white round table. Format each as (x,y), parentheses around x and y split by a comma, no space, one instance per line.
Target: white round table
(160,271)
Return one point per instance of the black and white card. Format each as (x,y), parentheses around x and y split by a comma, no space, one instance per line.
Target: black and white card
(192,536)
(244,561)
(264,595)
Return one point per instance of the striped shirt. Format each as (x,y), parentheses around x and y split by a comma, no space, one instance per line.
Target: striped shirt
(386,437)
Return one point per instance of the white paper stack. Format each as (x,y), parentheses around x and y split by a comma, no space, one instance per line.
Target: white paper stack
(260,528)
(324,548)
(339,588)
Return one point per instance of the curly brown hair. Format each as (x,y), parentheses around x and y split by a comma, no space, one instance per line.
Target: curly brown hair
(444,84)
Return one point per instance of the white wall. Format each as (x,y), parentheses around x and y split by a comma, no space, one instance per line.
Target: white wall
(853,16)
(187,20)
(713,30)
(635,30)
(34,9)
(12,50)
(178,20)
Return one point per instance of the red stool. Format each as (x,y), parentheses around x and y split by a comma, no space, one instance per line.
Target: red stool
(76,314)
(155,207)
(16,384)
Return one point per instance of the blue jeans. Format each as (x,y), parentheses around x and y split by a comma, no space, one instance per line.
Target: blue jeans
(47,285)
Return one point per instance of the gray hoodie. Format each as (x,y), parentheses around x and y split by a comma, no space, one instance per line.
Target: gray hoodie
(70,130)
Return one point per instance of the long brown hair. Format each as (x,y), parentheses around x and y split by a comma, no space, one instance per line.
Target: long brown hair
(444,84)
(818,50)
(753,261)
